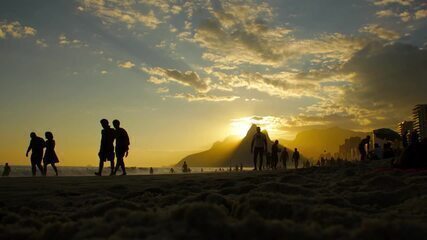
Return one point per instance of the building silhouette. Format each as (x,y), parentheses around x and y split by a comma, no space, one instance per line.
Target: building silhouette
(349,150)
(419,114)
(405,127)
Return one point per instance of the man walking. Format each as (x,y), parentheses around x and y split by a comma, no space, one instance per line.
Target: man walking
(284,157)
(275,154)
(36,147)
(258,145)
(295,157)
(122,146)
(106,151)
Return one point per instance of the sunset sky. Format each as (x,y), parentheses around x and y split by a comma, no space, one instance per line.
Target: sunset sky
(181,75)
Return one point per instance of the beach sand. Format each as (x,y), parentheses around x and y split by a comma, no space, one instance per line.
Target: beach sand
(351,202)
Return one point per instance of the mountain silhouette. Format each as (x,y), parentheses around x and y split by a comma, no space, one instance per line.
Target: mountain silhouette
(230,152)
(314,142)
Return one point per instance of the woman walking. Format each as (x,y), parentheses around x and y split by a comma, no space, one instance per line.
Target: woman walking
(50,155)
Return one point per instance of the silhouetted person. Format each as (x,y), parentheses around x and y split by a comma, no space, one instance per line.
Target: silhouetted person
(36,147)
(241,167)
(295,158)
(284,157)
(184,167)
(364,148)
(172,170)
(106,150)
(258,146)
(50,156)
(151,171)
(6,170)
(122,146)
(275,154)
(405,139)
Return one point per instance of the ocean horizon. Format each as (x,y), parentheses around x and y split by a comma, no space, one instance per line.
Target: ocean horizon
(77,171)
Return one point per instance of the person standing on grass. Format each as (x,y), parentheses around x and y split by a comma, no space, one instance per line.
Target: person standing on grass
(36,147)
(122,146)
(295,158)
(50,156)
(258,146)
(106,151)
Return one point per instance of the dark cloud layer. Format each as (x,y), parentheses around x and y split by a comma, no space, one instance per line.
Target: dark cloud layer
(391,75)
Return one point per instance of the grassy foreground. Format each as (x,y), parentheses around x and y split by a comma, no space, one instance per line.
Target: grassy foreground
(352,202)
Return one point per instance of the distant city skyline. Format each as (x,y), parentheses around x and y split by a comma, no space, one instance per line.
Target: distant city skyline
(181,75)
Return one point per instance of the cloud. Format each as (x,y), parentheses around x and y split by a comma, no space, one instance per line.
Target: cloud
(399,2)
(238,34)
(283,84)
(391,76)
(15,30)
(42,43)
(241,33)
(162,90)
(165,6)
(126,64)
(63,41)
(380,85)
(114,11)
(380,32)
(405,16)
(160,75)
(386,13)
(422,13)
(205,98)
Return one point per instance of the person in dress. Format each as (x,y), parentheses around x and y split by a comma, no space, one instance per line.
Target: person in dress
(50,157)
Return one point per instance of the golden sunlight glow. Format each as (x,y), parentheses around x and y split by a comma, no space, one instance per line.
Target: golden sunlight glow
(273,125)
(239,129)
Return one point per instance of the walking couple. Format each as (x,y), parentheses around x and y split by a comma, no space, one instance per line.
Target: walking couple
(106,151)
(37,145)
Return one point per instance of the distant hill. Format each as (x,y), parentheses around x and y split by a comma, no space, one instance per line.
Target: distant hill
(313,142)
(230,152)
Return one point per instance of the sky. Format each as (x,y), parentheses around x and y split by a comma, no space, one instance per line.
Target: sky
(181,75)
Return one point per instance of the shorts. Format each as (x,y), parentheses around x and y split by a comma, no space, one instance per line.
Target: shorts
(120,153)
(104,156)
(36,160)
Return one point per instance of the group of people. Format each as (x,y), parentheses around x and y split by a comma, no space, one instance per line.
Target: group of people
(108,151)
(259,146)
(39,154)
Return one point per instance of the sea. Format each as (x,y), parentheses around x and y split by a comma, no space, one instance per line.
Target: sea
(25,171)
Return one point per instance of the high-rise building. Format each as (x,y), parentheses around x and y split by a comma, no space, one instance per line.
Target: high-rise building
(419,115)
(405,127)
